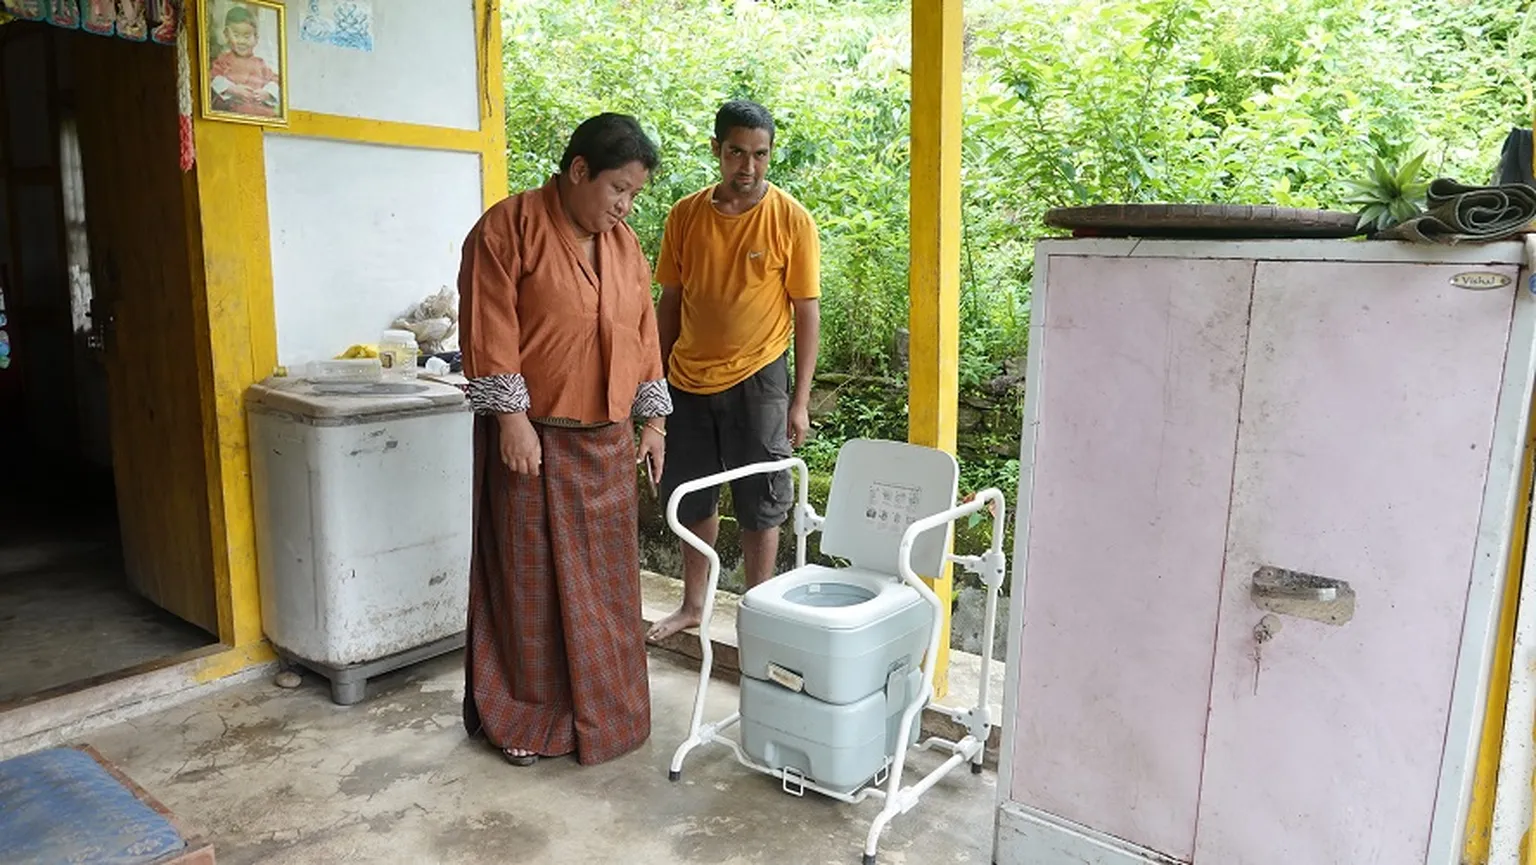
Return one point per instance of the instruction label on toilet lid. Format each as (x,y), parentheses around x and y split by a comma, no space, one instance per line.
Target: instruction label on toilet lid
(891,507)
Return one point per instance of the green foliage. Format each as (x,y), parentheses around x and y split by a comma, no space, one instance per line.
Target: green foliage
(1066,102)
(1241,101)
(865,408)
(832,73)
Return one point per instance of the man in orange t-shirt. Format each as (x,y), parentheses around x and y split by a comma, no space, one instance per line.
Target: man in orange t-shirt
(740,273)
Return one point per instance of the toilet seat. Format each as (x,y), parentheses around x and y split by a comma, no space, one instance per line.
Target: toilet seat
(861,597)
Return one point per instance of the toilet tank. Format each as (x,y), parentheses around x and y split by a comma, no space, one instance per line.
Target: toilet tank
(840,747)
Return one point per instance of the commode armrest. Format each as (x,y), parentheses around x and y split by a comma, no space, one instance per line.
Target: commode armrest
(990,565)
(806,519)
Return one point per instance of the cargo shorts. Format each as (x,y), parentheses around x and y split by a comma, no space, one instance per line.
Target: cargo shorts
(744,424)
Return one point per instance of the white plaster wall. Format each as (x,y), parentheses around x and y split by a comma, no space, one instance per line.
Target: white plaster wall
(359,233)
(421,69)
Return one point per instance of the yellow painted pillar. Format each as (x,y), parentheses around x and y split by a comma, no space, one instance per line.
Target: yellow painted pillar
(934,280)
(230,245)
(233,253)
(493,101)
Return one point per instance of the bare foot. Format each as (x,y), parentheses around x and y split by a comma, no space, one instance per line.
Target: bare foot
(672,624)
(519,757)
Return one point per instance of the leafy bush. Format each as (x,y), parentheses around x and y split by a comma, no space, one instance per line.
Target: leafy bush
(832,73)
(1066,102)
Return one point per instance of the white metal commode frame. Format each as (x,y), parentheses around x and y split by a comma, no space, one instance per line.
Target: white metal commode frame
(990,566)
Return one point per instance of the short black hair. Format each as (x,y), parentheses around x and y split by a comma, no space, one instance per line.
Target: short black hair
(742,114)
(240,15)
(610,141)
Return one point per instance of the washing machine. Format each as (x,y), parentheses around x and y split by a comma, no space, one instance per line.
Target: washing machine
(362,499)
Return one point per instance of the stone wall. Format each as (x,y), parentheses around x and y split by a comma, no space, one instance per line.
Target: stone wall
(989,420)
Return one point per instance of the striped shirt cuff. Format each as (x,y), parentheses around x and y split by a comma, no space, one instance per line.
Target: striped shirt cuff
(653,399)
(498,394)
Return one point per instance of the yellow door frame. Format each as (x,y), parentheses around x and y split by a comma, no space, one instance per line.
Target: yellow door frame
(233,297)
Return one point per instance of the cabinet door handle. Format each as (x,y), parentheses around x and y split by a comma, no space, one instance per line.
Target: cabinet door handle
(1283,592)
(1309,596)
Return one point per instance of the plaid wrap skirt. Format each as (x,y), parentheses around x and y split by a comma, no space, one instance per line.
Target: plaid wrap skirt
(555,660)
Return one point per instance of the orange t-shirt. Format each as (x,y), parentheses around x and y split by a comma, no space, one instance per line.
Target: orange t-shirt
(738,275)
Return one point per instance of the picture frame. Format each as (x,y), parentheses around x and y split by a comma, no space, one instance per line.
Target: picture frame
(243,61)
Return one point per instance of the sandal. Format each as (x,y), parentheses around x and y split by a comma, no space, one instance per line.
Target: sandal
(519,759)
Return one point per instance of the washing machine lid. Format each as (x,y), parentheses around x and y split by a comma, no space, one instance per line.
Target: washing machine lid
(838,599)
(335,401)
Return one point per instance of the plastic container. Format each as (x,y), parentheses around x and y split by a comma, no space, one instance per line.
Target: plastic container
(354,370)
(840,747)
(397,354)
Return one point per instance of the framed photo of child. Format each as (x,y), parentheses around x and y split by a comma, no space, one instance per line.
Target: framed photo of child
(244,61)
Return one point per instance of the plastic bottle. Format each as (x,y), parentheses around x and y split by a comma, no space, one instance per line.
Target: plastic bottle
(397,354)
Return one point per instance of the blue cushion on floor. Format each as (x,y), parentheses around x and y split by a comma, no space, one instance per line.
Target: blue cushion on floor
(60,806)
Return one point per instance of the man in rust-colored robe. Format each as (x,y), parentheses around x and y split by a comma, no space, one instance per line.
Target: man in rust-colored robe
(558,325)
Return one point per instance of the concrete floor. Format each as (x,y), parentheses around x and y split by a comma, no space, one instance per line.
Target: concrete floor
(67,614)
(286,777)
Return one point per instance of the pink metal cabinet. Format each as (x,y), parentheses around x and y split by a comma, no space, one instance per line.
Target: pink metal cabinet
(1194,416)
